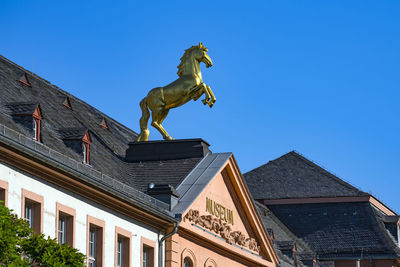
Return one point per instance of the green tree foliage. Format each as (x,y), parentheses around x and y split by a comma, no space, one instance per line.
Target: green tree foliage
(19,246)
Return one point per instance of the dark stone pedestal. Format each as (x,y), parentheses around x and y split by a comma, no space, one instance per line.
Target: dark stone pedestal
(166,150)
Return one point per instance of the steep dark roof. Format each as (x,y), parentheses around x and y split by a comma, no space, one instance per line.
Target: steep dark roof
(338,230)
(283,238)
(108,146)
(293,176)
(22,108)
(140,174)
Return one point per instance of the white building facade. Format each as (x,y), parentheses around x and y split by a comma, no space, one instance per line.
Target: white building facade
(107,236)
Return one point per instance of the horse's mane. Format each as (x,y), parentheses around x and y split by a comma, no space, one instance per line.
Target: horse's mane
(181,66)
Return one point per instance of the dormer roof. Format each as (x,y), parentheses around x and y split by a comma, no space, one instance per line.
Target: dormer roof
(23,108)
(73,133)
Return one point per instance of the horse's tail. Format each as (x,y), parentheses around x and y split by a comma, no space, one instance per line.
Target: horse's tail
(144,131)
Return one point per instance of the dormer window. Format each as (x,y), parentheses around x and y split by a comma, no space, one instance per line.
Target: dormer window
(77,139)
(104,124)
(24,80)
(67,103)
(392,224)
(85,152)
(37,117)
(36,128)
(29,115)
(86,148)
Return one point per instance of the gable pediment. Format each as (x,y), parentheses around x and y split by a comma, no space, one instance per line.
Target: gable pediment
(224,210)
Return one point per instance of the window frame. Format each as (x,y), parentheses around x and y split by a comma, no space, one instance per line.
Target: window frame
(37,202)
(70,215)
(4,192)
(210,263)
(187,253)
(150,245)
(62,231)
(127,246)
(36,127)
(99,227)
(92,246)
(86,140)
(86,153)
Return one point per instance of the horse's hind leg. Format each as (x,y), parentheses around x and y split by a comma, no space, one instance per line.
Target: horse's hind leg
(163,115)
(157,116)
(144,131)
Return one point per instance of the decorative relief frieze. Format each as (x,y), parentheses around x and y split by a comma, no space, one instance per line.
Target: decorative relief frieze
(220,227)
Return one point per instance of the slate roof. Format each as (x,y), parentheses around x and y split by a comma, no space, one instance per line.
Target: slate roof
(22,108)
(107,150)
(71,133)
(284,239)
(294,176)
(191,187)
(339,230)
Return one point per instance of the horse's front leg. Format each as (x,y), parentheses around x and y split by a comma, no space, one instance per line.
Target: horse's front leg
(211,100)
(208,96)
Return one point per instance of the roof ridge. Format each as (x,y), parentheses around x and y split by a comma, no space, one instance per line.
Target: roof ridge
(256,168)
(65,93)
(326,172)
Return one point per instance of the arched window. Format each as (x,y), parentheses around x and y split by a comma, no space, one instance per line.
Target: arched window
(188,258)
(210,263)
(187,262)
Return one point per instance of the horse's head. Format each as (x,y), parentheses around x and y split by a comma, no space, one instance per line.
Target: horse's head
(196,52)
(200,53)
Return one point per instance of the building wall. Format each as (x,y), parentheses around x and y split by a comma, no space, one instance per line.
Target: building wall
(17,181)
(200,255)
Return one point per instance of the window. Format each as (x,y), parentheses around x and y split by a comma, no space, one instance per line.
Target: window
(3,193)
(120,252)
(148,256)
(187,262)
(122,247)
(37,117)
(85,153)
(65,225)
(29,213)
(36,129)
(86,140)
(62,223)
(92,247)
(188,258)
(32,210)
(95,242)
(210,263)
(3,196)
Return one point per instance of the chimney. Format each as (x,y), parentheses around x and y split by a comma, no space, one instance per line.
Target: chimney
(164,192)
(166,150)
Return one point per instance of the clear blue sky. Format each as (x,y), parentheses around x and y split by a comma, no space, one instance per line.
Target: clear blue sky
(318,77)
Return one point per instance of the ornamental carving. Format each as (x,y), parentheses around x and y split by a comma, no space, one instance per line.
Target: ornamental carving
(220,227)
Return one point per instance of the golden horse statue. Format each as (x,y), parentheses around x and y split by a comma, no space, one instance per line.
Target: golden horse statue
(188,86)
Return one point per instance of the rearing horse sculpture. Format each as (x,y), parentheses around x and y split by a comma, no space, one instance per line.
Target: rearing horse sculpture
(188,86)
